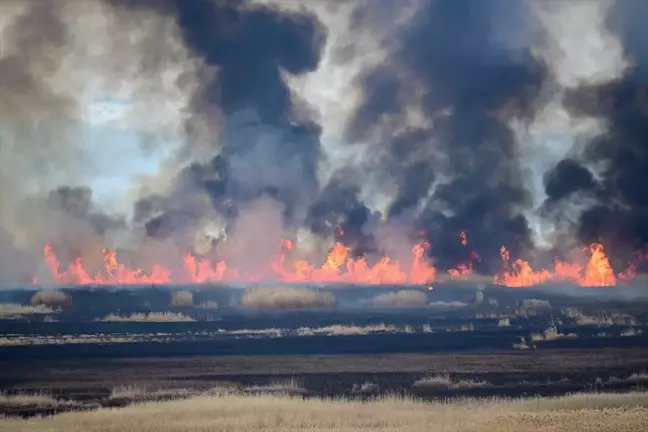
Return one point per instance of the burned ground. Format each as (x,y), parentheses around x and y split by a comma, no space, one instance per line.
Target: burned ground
(463,342)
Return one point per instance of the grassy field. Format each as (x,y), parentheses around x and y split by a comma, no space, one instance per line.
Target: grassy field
(594,412)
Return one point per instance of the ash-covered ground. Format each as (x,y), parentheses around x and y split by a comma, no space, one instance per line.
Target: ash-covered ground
(453,340)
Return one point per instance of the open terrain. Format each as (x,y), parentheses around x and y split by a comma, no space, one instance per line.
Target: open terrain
(601,412)
(109,347)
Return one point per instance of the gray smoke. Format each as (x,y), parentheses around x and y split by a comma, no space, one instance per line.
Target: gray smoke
(218,127)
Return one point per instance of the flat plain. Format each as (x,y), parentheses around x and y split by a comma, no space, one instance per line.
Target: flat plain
(384,348)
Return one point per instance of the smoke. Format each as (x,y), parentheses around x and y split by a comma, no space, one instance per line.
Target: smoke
(77,117)
(436,135)
(613,163)
(218,127)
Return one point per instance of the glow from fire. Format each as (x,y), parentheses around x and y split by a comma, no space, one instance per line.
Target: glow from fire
(340,267)
(596,273)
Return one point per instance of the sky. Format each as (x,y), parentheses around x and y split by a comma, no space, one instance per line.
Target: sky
(489,117)
(106,127)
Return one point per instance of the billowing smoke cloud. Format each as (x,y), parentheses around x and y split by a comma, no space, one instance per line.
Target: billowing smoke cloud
(372,123)
(612,166)
(74,116)
(453,166)
(267,148)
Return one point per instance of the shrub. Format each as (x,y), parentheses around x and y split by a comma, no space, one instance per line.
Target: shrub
(51,298)
(182,298)
(286,298)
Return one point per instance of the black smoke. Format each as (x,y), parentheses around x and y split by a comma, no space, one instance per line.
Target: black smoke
(468,67)
(266,145)
(567,178)
(470,85)
(620,154)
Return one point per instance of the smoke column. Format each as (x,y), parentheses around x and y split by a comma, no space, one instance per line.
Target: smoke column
(211,127)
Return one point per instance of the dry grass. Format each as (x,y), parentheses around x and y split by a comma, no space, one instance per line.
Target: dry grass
(550,334)
(288,386)
(51,298)
(403,298)
(66,339)
(638,377)
(608,320)
(443,382)
(631,332)
(271,332)
(182,298)
(140,393)
(479,298)
(286,298)
(365,388)
(448,305)
(522,345)
(208,304)
(149,317)
(338,329)
(504,322)
(11,310)
(635,378)
(32,401)
(535,304)
(576,413)
(463,328)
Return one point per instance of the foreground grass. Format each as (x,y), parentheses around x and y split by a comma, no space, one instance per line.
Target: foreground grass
(601,412)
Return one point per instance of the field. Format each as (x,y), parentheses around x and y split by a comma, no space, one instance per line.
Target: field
(283,349)
(618,413)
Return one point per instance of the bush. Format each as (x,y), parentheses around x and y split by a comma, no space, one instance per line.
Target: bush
(182,298)
(52,299)
(286,298)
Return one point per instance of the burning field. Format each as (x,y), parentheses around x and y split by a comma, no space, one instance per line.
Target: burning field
(244,164)
(340,267)
(428,198)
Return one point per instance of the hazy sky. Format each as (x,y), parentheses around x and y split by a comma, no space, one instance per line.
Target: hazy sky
(107,128)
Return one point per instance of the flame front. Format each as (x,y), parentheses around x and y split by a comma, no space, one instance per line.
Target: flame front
(340,267)
(597,273)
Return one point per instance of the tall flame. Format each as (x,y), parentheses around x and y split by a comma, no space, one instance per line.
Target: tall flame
(340,267)
(597,273)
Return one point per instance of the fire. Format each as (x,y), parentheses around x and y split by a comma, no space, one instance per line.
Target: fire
(596,273)
(115,272)
(465,269)
(341,267)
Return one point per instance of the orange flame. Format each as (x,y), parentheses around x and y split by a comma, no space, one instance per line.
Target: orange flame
(463,270)
(340,267)
(463,237)
(597,273)
(115,272)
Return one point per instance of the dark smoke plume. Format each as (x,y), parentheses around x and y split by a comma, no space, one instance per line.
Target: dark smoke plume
(436,121)
(618,219)
(469,85)
(266,146)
